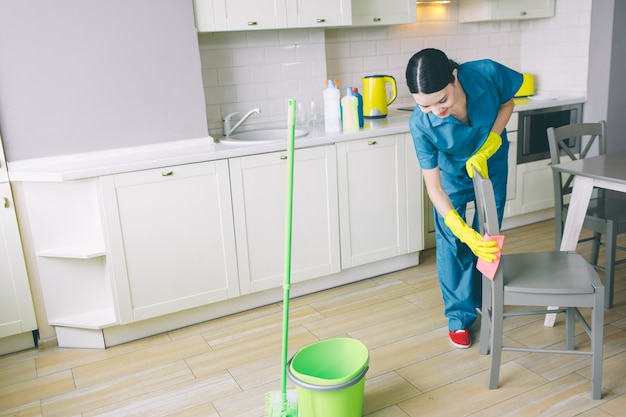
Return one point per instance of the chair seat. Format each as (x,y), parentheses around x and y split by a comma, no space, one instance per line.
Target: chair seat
(568,272)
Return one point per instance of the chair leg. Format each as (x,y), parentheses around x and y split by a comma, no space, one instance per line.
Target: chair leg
(597,336)
(609,265)
(485,319)
(497,328)
(570,328)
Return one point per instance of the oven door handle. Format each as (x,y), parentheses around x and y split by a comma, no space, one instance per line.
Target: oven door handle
(526,137)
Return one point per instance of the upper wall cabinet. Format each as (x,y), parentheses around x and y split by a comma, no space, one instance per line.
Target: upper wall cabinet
(318,13)
(377,12)
(227,15)
(489,10)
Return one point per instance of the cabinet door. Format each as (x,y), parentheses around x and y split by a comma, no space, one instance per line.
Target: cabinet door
(205,17)
(319,13)
(535,186)
(177,234)
(17,314)
(377,12)
(259,185)
(527,9)
(487,10)
(372,199)
(249,15)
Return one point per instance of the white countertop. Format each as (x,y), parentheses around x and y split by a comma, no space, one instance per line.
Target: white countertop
(114,161)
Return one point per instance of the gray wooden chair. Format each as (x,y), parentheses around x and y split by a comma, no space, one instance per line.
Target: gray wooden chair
(536,280)
(606,214)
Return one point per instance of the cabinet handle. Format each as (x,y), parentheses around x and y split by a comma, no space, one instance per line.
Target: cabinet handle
(283,157)
(5,202)
(252,23)
(167,173)
(377,19)
(320,20)
(523,13)
(371,142)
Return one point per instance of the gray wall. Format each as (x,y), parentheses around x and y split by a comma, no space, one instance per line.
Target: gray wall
(606,91)
(615,120)
(79,76)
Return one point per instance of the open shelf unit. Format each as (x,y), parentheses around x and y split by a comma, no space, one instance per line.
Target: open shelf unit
(71,250)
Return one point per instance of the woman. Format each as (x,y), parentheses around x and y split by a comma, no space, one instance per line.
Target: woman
(459,128)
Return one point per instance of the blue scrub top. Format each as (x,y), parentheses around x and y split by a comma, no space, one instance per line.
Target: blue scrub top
(448,142)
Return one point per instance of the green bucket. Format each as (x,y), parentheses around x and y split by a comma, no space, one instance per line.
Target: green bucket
(330,378)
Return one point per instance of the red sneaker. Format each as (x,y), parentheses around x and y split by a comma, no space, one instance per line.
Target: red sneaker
(460,338)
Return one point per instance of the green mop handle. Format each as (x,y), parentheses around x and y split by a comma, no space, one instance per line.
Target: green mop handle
(288,223)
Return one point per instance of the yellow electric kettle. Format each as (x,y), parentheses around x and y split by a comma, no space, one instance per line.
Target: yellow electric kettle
(376,95)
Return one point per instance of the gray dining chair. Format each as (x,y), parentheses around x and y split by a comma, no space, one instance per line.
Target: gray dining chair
(606,214)
(532,281)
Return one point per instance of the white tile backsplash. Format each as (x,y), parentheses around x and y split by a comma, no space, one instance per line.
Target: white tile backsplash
(557,49)
(242,70)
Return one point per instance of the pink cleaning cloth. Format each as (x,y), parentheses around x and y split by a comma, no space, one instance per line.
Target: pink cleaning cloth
(489,269)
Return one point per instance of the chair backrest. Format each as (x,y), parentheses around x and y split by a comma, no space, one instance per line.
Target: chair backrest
(589,133)
(488,222)
(486,205)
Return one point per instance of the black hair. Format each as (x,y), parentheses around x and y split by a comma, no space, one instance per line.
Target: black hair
(429,71)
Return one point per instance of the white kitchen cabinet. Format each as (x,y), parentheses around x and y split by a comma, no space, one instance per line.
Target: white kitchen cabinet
(373,199)
(319,13)
(227,15)
(377,12)
(17,314)
(259,185)
(205,16)
(535,190)
(492,10)
(117,249)
(177,242)
(235,15)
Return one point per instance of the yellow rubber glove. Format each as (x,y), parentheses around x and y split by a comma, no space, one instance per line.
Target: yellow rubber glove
(484,249)
(478,161)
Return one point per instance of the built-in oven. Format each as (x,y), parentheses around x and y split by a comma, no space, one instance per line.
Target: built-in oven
(532,137)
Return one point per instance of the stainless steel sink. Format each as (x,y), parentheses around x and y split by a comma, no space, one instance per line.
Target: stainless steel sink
(262,135)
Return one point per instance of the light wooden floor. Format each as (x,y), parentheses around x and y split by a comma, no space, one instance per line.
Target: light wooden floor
(225,367)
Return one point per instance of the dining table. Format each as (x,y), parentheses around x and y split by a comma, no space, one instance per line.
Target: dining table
(606,171)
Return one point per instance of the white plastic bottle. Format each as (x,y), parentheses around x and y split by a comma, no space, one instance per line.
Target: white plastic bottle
(350,111)
(332,110)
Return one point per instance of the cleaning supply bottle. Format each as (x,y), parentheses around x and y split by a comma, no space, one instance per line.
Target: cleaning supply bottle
(332,109)
(350,111)
(355,92)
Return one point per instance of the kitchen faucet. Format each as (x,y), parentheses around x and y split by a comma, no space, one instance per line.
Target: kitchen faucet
(227,121)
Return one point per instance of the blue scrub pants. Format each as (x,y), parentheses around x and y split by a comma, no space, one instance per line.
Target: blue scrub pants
(460,281)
